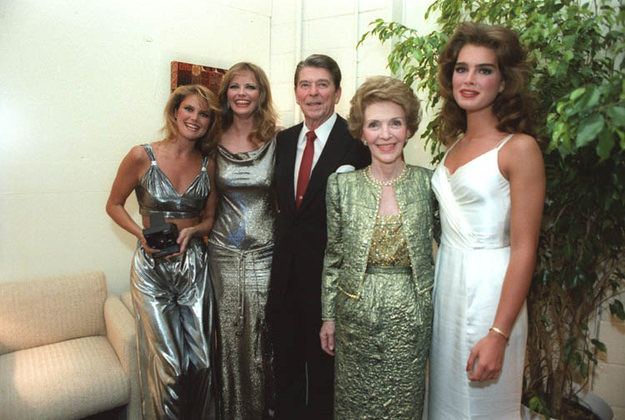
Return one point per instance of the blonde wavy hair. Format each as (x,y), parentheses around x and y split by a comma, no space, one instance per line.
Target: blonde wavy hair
(265,116)
(208,101)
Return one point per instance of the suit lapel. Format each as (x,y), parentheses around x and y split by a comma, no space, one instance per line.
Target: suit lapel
(288,165)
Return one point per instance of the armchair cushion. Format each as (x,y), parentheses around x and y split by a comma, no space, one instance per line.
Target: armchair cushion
(47,311)
(66,380)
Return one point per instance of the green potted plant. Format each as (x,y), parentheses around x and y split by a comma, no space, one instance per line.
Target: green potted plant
(577,49)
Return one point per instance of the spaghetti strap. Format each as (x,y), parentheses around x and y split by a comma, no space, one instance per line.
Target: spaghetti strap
(454,144)
(148,149)
(205,161)
(449,150)
(504,141)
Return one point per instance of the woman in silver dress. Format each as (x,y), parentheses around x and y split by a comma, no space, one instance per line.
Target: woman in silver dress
(172,295)
(241,243)
(378,267)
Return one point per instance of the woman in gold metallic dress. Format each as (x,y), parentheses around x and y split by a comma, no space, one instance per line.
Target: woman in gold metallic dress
(378,267)
(240,247)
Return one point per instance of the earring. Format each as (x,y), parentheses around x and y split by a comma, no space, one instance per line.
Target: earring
(364,142)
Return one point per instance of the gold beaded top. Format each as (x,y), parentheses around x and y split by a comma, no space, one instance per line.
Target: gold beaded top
(388,244)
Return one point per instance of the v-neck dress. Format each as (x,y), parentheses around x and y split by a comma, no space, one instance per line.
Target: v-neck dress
(173,302)
(156,193)
(470,267)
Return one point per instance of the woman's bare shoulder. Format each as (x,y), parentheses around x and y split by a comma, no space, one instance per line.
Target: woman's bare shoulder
(136,159)
(521,154)
(521,145)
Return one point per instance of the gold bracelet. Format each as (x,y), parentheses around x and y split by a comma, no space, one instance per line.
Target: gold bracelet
(498,331)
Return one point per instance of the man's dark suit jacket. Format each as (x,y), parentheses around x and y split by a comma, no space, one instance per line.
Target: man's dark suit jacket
(301,234)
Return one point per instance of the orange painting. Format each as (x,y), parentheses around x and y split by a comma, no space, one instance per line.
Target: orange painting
(187,73)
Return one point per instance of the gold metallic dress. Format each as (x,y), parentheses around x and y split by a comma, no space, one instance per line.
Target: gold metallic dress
(240,251)
(381,343)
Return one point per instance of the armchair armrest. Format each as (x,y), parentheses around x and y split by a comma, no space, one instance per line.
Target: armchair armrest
(120,332)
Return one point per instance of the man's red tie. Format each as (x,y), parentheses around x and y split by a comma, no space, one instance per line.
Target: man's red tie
(305,167)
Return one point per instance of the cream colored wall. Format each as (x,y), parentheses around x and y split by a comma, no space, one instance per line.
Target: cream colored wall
(609,376)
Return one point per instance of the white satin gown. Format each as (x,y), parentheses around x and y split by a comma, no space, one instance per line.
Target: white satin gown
(470,266)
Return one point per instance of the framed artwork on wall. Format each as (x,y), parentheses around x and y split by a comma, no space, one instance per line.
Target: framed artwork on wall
(187,73)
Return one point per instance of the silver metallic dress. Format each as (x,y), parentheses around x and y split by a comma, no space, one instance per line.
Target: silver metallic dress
(173,301)
(240,250)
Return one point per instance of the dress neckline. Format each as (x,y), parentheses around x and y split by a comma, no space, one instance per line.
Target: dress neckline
(243,156)
(496,148)
(154,164)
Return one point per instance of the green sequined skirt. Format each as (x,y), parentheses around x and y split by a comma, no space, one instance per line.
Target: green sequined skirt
(382,344)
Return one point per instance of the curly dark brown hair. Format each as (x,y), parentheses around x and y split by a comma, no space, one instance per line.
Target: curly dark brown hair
(513,107)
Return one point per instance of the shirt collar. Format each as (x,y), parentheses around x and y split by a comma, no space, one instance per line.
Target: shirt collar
(322,132)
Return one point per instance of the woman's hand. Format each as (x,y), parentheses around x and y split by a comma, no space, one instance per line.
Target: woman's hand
(185,236)
(327,337)
(146,247)
(486,358)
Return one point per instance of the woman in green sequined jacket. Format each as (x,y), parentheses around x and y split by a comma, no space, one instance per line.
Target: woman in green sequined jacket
(378,267)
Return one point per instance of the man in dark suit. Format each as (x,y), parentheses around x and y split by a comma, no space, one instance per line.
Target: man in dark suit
(306,155)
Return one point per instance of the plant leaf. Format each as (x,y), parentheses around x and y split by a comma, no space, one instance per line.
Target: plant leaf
(589,99)
(605,144)
(617,309)
(617,114)
(599,345)
(590,128)
(577,93)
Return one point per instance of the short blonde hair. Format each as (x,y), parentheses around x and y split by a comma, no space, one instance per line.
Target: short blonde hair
(383,88)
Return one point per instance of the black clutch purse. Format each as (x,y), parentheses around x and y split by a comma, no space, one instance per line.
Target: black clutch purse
(161,236)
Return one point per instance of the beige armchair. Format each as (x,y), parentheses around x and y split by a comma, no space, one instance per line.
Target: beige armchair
(67,350)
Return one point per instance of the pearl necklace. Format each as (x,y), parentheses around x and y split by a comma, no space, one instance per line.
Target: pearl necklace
(389,182)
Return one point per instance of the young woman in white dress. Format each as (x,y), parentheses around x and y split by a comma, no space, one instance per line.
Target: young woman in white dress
(490,187)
